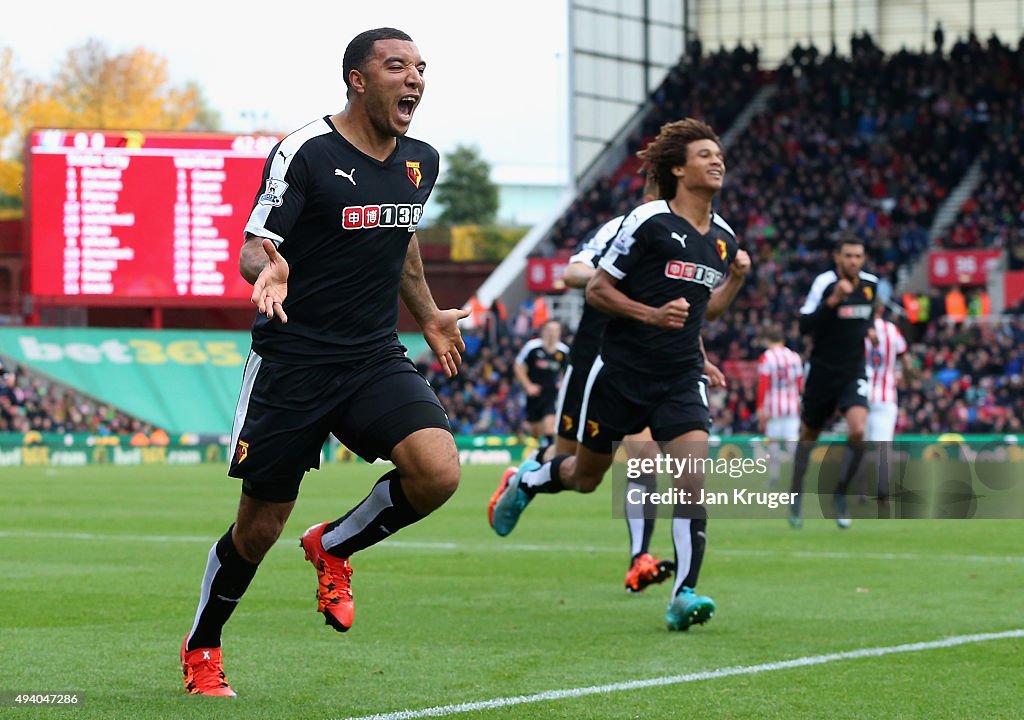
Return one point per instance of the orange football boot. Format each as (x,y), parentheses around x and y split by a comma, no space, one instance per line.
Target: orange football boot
(203,669)
(648,570)
(334,593)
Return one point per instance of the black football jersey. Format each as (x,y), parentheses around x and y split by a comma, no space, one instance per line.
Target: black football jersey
(586,343)
(542,367)
(657,256)
(343,220)
(838,333)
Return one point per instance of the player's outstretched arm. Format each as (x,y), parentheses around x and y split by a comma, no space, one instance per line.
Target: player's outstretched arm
(723,295)
(262,265)
(440,327)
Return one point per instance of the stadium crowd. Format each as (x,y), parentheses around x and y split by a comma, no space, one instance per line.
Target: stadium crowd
(993,217)
(900,132)
(29,403)
(715,87)
(484,398)
(869,145)
(965,377)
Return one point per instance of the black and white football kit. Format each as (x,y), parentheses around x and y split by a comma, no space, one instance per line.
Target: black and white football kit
(837,377)
(544,369)
(650,376)
(586,343)
(343,220)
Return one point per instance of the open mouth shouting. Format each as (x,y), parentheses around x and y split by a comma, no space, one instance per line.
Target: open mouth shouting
(406,106)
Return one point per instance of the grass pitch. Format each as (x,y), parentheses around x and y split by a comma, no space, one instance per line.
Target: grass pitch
(100,571)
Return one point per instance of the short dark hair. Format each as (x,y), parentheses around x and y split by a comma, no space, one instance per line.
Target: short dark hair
(669,149)
(360,48)
(846,239)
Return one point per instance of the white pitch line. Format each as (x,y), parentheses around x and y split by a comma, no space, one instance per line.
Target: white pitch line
(108,537)
(807,661)
(498,546)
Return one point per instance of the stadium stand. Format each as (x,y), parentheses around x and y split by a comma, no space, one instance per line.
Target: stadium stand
(870,144)
(715,87)
(29,403)
(967,379)
(993,217)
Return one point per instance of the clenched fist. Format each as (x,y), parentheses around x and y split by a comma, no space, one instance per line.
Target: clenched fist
(671,315)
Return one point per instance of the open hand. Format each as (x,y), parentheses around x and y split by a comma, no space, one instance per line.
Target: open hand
(271,287)
(445,339)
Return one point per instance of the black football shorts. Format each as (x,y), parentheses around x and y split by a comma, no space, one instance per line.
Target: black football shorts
(286,412)
(621,402)
(540,406)
(570,400)
(826,391)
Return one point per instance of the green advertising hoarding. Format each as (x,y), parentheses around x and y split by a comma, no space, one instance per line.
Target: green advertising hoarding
(178,380)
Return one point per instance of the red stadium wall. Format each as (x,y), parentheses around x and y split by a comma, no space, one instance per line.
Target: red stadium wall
(1014,288)
(10,266)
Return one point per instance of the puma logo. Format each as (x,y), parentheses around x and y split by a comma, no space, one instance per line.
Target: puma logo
(682,240)
(347,175)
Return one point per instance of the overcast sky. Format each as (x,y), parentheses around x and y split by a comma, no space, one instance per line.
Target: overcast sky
(496,73)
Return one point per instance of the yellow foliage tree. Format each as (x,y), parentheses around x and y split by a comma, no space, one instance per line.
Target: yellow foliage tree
(8,79)
(97,89)
(11,88)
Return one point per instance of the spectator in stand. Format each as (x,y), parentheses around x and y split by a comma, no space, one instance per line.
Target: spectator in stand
(980,304)
(28,402)
(956,305)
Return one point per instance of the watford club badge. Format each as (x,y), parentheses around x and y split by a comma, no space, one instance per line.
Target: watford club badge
(241,452)
(412,169)
(567,423)
(593,428)
(869,294)
(723,252)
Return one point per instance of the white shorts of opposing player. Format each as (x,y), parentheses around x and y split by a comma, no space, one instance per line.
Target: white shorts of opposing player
(786,427)
(780,436)
(881,422)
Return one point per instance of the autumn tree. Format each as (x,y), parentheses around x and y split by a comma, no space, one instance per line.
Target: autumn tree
(126,91)
(94,88)
(467,194)
(14,87)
